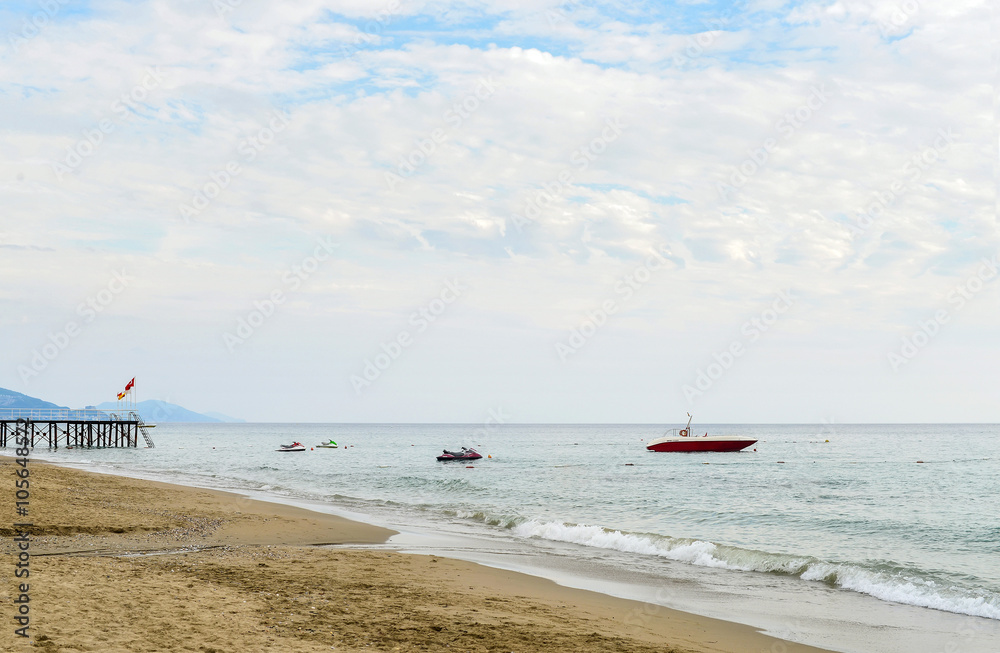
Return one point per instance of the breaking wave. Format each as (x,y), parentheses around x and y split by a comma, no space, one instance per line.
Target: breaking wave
(889,584)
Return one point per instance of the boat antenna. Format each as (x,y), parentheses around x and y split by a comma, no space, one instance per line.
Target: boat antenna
(688,427)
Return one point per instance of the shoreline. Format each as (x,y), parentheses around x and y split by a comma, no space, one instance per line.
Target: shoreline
(225,549)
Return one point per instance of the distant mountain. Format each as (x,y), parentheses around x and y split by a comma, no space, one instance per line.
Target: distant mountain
(11,399)
(156,411)
(226,418)
(151,410)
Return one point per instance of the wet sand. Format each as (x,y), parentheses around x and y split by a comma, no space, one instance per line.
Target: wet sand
(121,564)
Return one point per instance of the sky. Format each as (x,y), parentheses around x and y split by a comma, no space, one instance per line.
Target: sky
(515,211)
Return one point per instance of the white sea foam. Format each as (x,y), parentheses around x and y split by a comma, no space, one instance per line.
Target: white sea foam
(901,589)
(883,585)
(694,552)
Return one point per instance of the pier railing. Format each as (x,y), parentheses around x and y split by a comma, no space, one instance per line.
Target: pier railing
(65,414)
(73,427)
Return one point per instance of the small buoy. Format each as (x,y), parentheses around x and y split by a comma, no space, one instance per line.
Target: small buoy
(469,467)
(920,461)
(213,447)
(489,455)
(755,448)
(310,448)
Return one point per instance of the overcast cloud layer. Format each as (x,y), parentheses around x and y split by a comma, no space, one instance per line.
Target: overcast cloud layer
(571,212)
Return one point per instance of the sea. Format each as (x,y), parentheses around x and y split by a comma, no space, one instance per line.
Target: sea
(857,538)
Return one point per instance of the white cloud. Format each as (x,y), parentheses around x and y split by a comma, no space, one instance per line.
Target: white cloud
(689,128)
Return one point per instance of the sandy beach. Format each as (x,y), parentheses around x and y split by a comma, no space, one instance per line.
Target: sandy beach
(120,564)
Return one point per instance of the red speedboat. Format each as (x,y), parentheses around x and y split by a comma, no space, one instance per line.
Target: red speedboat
(684,440)
(464,454)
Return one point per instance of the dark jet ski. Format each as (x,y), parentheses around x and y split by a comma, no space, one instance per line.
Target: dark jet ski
(464,454)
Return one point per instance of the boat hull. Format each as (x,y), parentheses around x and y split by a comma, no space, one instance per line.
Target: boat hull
(693,444)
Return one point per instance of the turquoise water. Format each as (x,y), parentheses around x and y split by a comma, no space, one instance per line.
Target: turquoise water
(848,507)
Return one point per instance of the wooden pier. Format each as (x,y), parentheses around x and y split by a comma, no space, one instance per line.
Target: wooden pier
(86,428)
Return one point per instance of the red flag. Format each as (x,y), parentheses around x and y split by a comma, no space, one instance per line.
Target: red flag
(129,385)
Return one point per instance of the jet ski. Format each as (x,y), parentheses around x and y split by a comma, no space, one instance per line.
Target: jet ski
(327,445)
(295,446)
(464,454)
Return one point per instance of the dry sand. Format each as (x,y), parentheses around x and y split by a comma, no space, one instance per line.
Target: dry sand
(127,565)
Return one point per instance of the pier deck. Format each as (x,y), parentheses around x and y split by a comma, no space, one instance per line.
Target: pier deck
(55,427)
